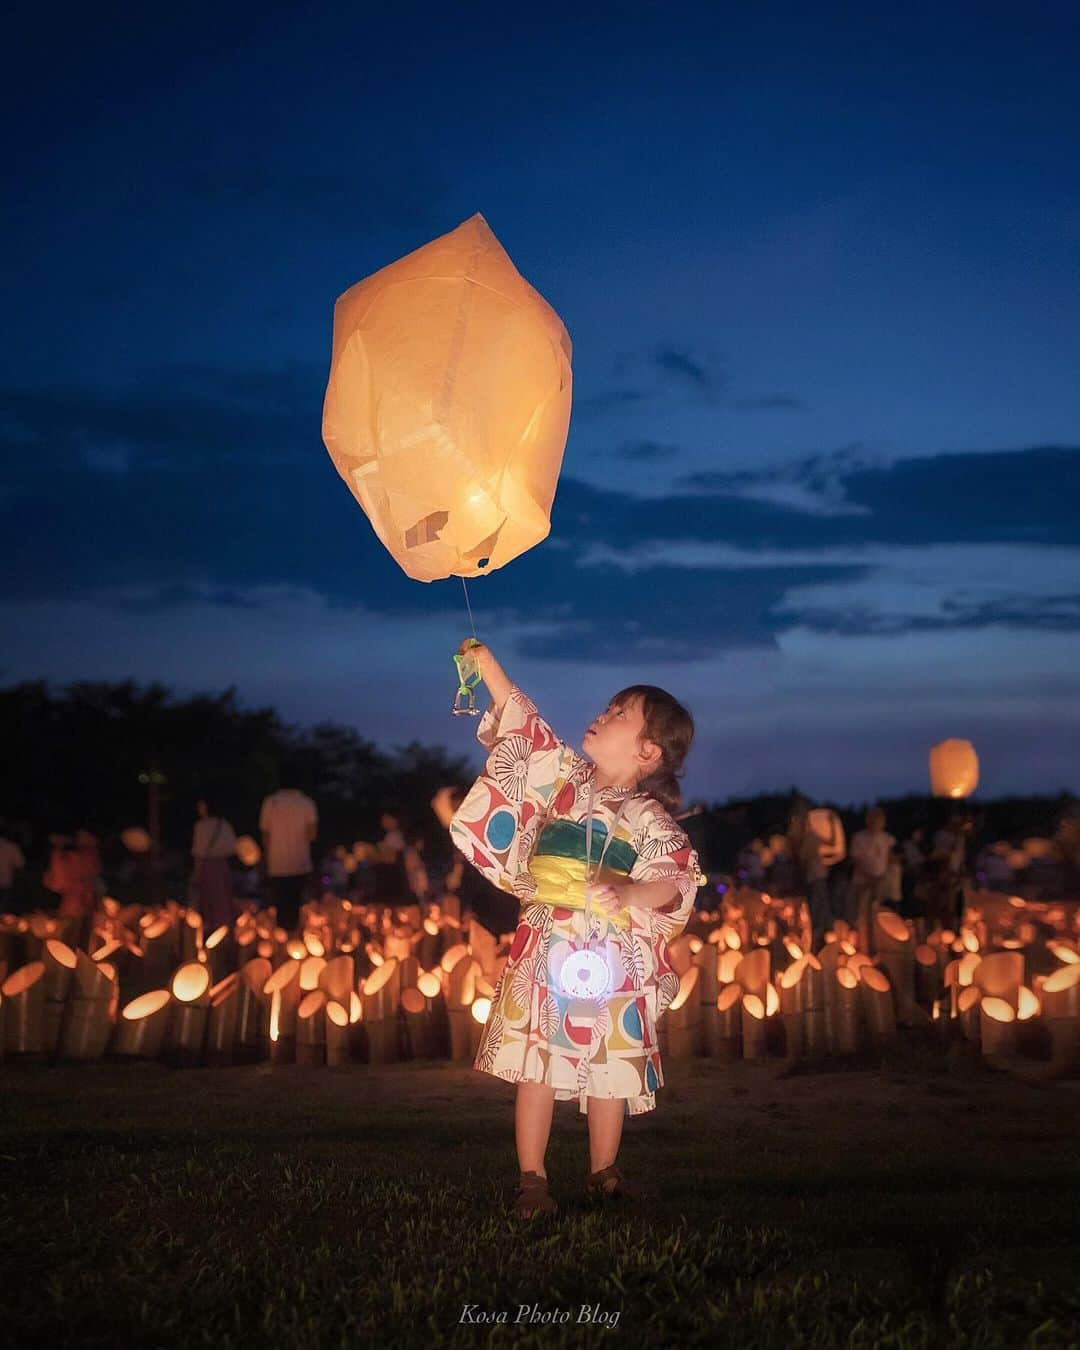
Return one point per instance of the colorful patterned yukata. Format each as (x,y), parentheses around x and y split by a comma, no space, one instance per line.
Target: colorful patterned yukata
(523,826)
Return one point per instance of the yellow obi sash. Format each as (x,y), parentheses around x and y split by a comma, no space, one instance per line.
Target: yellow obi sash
(560,882)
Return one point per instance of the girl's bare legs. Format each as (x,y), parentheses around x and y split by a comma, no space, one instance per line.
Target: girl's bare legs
(533,1107)
(606,1116)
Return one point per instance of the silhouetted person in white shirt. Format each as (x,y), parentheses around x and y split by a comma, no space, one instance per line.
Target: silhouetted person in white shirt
(289,821)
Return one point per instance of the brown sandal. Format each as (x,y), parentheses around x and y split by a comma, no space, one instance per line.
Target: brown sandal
(610,1184)
(532,1197)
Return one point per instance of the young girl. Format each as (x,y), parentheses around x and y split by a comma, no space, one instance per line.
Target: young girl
(524,825)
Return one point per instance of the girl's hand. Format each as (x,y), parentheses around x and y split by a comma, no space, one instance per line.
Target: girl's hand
(493,675)
(610,899)
(478,650)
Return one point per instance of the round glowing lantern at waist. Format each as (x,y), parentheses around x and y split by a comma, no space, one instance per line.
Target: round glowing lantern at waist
(136,839)
(448,405)
(248,851)
(954,769)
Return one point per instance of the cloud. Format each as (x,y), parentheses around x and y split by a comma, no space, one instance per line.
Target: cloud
(681,366)
(665,376)
(214,485)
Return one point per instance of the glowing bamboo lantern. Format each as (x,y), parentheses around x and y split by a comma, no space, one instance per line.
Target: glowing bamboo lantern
(59,962)
(246,944)
(967,1011)
(479,1011)
(380,1013)
(337,978)
(408,972)
(754,1027)
(448,405)
(844,1012)
(159,951)
(40,927)
(282,990)
(24,1010)
(188,1015)
(430,946)
(140,1029)
(1060,999)
(1000,975)
(460,992)
(417,1023)
(337,1034)
(896,956)
(90,1010)
(450,957)
(679,1028)
(680,954)
(877,1003)
(311,970)
(927,973)
(724,1033)
(752,972)
(802,1007)
(251,1015)
(1065,951)
(311,1028)
(223,1020)
(997,1026)
(217,953)
(727,965)
(954,769)
(397,944)
(706,958)
(429,985)
(191,936)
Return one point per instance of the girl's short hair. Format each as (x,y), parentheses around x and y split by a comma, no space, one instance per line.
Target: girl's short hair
(670,726)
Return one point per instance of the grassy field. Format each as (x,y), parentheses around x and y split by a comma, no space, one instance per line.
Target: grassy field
(924,1203)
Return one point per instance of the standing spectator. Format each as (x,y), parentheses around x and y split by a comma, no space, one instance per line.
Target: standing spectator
(946,889)
(11,860)
(810,852)
(912,861)
(871,850)
(73,873)
(393,838)
(213,844)
(289,822)
(416,870)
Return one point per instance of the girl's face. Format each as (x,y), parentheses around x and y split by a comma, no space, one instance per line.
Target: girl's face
(614,742)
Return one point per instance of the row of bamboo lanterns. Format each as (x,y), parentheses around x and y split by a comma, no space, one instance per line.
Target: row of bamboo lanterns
(841,1000)
(327,995)
(253,993)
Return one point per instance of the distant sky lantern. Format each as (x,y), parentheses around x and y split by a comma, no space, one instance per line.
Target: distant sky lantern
(954,769)
(448,405)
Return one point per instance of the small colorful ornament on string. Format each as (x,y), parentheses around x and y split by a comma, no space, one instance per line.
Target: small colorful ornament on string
(468,678)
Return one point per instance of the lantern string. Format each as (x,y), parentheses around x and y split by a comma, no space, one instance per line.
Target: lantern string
(468,606)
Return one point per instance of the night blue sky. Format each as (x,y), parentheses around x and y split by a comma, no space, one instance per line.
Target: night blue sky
(820,268)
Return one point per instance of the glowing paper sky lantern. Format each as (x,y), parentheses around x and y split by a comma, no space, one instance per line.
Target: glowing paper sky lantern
(448,405)
(954,769)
